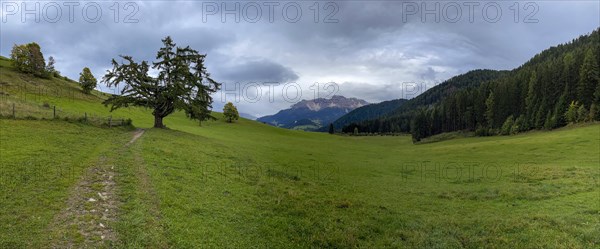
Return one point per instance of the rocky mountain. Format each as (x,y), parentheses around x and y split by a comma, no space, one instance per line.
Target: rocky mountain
(313,114)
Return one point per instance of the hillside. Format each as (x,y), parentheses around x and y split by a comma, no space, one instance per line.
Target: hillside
(246,184)
(401,109)
(313,114)
(535,95)
(367,112)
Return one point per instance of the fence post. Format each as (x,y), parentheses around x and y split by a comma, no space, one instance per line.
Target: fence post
(14,116)
(54,113)
(110,122)
(85,116)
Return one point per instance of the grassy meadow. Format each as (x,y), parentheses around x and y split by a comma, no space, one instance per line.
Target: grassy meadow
(250,185)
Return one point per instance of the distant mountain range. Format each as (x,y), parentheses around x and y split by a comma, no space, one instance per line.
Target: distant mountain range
(247,116)
(311,115)
(366,112)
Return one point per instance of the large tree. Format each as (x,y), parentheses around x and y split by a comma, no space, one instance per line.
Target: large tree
(182,83)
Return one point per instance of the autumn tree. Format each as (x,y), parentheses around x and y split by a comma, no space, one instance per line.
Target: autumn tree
(87,80)
(182,83)
(230,112)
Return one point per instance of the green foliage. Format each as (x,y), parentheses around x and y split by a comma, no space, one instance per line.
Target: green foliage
(593,112)
(28,58)
(588,78)
(87,80)
(582,114)
(489,111)
(548,82)
(550,122)
(597,103)
(419,126)
(50,70)
(230,112)
(571,114)
(182,84)
(561,108)
(507,126)
(368,112)
(158,183)
(519,125)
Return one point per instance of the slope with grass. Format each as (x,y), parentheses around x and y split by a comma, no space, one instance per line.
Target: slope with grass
(247,184)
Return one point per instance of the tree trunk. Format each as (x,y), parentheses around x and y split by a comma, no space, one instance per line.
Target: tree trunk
(158,122)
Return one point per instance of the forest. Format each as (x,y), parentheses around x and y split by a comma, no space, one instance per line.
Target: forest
(554,88)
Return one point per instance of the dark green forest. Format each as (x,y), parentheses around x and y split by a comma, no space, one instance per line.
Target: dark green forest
(367,112)
(554,88)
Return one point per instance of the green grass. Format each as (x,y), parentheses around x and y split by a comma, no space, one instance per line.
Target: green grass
(39,162)
(248,184)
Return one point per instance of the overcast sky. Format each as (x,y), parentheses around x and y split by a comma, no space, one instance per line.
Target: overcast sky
(373,50)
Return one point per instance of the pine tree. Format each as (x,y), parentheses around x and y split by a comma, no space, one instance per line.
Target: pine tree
(418,126)
(588,78)
(550,121)
(593,112)
(507,126)
(518,125)
(530,100)
(561,107)
(597,103)
(489,111)
(331,130)
(582,114)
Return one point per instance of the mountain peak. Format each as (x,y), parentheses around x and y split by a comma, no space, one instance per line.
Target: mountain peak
(313,114)
(336,101)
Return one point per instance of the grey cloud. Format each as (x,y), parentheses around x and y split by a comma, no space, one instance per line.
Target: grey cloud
(370,44)
(244,70)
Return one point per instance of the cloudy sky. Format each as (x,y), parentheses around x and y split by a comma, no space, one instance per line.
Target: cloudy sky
(374,50)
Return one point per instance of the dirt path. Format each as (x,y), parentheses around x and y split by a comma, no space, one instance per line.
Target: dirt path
(138,133)
(88,219)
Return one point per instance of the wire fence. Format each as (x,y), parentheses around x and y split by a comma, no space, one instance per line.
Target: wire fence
(18,109)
